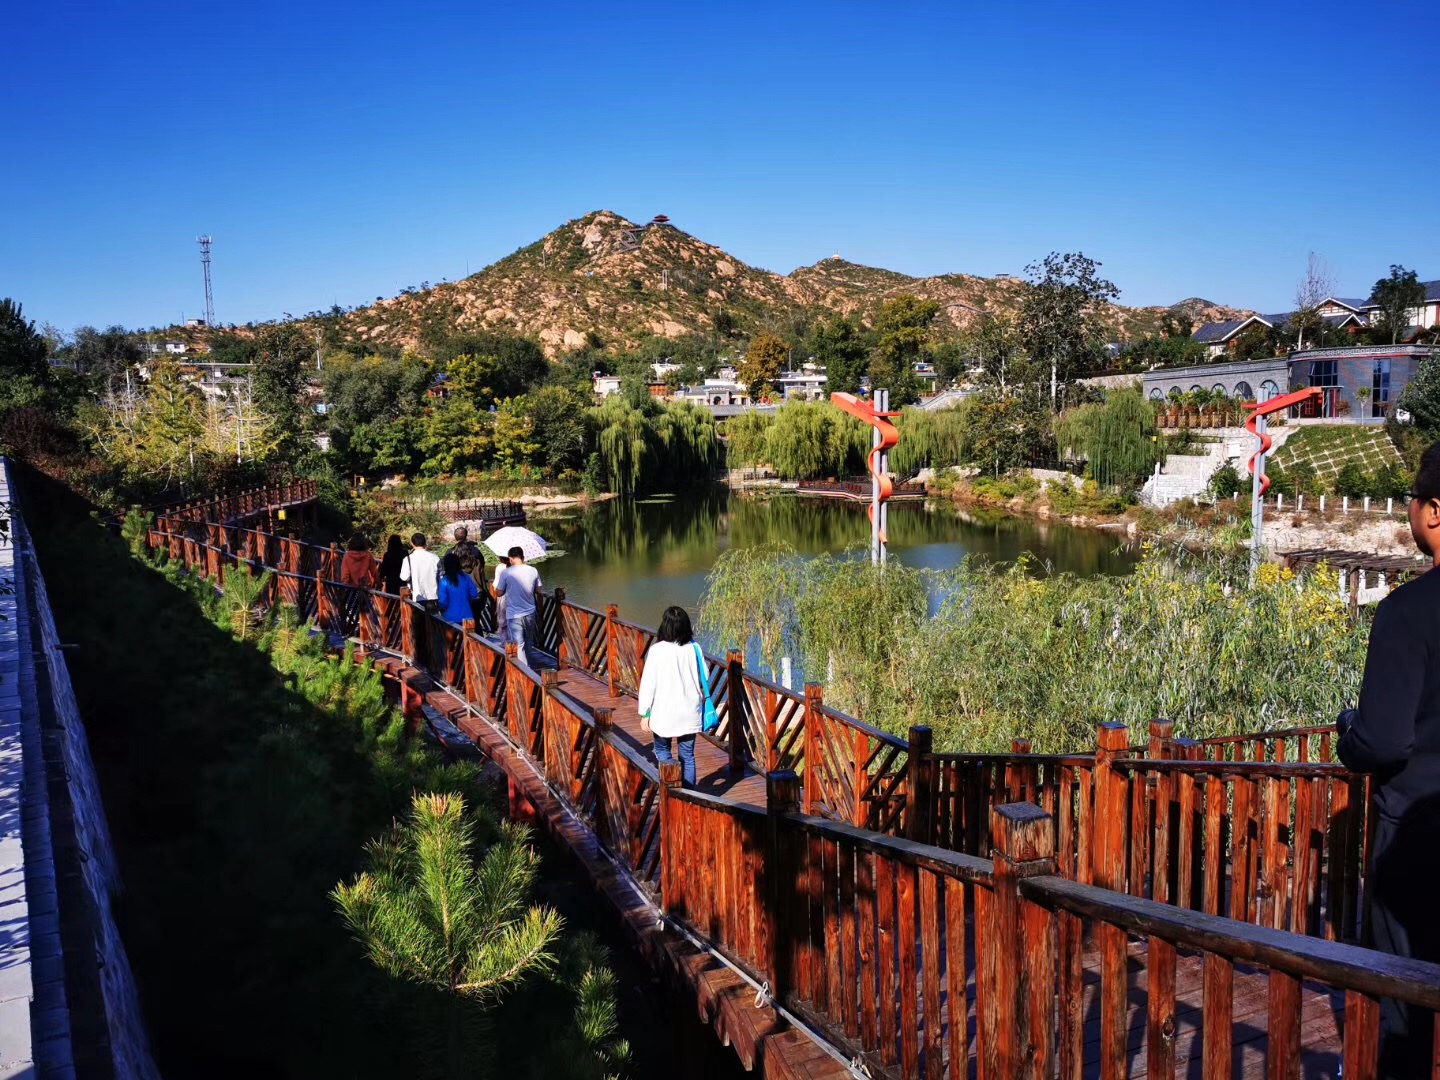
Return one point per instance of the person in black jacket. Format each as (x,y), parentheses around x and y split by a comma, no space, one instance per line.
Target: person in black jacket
(1395,736)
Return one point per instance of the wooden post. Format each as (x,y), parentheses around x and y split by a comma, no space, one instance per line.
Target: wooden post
(917,785)
(670,853)
(811,779)
(1162,740)
(1018,1028)
(860,755)
(735,694)
(561,653)
(1107,853)
(612,612)
(1018,786)
(782,797)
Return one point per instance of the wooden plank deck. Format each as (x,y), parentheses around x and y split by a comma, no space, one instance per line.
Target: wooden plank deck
(712,761)
(727,1002)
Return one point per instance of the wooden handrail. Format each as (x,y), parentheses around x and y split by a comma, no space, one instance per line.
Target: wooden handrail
(1331,962)
(871,937)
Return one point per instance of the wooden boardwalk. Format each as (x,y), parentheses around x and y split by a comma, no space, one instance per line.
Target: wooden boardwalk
(730,999)
(760,1037)
(1169,909)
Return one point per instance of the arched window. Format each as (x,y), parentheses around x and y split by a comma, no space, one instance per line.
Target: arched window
(1197,389)
(1156,395)
(1218,388)
(1244,392)
(1268,390)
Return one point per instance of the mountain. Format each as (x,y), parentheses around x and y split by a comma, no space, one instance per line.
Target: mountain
(602,278)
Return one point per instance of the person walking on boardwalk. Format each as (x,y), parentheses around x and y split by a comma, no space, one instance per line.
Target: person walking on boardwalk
(359,567)
(458,591)
(390,565)
(472,559)
(516,588)
(1394,735)
(421,571)
(671,700)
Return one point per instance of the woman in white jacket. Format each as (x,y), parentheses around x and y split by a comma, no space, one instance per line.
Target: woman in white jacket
(671,698)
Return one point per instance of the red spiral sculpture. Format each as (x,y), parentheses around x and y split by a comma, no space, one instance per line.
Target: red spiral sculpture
(1265,408)
(866,412)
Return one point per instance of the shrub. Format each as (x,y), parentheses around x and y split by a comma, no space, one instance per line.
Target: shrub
(1352,480)
(1225,481)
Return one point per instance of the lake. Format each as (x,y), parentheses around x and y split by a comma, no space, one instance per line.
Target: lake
(649,553)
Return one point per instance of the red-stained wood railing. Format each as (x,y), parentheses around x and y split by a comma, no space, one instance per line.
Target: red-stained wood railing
(916,959)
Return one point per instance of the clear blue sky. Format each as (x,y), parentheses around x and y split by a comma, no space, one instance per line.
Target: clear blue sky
(341,151)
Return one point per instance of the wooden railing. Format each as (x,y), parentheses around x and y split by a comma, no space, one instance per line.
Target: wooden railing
(1280,843)
(914,960)
(491,513)
(868,930)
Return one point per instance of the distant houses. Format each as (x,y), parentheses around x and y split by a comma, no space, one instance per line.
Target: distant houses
(1360,382)
(1337,312)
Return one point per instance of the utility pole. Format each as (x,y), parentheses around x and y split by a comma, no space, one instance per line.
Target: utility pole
(319,335)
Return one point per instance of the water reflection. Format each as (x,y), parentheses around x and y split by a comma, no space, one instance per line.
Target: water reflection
(644,555)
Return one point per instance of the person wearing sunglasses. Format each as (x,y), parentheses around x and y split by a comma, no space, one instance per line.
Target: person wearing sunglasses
(1394,735)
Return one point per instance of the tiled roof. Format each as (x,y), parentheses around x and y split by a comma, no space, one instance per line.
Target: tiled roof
(1216,332)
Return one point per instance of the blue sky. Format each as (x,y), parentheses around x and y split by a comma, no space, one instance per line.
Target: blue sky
(338,152)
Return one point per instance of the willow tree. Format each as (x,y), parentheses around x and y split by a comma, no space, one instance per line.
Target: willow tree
(745,437)
(688,443)
(621,442)
(814,439)
(933,440)
(1117,438)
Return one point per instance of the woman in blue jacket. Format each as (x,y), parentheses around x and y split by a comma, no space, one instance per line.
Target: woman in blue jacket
(458,591)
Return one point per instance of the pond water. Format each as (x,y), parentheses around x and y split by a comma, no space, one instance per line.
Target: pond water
(644,555)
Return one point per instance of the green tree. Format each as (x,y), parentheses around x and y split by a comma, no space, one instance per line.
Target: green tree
(456,437)
(1002,431)
(474,378)
(560,425)
(994,347)
(1352,480)
(104,354)
(1396,295)
(373,404)
(519,363)
(764,360)
(277,379)
(1257,342)
(440,909)
(902,331)
(1116,438)
(24,358)
(1060,320)
(622,442)
(840,346)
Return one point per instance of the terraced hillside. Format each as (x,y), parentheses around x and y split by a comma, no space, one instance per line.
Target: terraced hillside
(1329,448)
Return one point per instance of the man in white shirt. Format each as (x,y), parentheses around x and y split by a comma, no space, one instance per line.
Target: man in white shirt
(421,571)
(516,586)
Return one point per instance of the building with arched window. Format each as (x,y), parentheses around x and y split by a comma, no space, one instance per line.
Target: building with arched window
(1360,384)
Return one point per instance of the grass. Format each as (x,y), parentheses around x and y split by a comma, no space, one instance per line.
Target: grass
(1329,448)
(243,768)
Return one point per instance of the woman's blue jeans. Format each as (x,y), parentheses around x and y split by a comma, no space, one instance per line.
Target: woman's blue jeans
(687,756)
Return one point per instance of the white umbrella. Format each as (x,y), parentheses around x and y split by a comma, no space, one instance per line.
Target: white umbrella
(502,540)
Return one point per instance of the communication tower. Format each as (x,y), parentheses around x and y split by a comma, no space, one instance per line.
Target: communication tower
(205,242)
